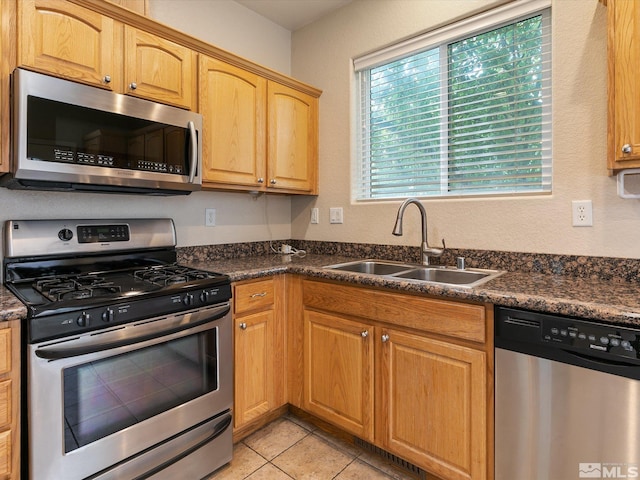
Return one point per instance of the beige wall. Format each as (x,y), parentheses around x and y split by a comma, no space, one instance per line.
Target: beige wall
(240,217)
(322,54)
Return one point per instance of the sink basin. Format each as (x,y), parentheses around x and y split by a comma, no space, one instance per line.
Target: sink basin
(440,275)
(469,277)
(375,267)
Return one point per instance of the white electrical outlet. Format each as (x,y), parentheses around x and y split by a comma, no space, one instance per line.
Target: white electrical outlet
(582,213)
(315,216)
(335,215)
(210,217)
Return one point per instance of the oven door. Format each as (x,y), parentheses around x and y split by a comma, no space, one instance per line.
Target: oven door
(131,401)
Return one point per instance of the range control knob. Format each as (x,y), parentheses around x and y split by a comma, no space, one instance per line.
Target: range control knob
(65,234)
(107,315)
(84,319)
(188,299)
(204,296)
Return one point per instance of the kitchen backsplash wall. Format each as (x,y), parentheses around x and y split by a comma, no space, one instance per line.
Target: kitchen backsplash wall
(322,55)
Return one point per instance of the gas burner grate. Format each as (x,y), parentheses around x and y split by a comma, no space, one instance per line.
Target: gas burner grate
(170,275)
(86,286)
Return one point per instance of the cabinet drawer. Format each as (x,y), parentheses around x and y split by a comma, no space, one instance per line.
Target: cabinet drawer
(254,295)
(5,351)
(5,452)
(5,403)
(455,319)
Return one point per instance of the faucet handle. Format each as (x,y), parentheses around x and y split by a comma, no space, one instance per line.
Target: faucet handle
(436,251)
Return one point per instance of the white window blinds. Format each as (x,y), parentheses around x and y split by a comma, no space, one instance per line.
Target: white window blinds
(469,115)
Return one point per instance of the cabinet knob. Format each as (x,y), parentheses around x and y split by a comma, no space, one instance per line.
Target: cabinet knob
(261,294)
(133,85)
(243,326)
(626,148)
(261,180)
(272,181)
(364,334)
(107,79)
(385,338)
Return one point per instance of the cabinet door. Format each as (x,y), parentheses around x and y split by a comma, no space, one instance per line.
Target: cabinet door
(159,69)
(254,366)
(432,406)
(64,39)
(233,106)
(338,372)
(293,139)
(624,88)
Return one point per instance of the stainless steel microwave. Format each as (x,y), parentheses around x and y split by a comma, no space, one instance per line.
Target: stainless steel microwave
(69,136)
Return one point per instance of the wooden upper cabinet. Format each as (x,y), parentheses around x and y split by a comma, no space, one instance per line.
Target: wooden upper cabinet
(233,104)
(158,69)
(624,89)
(66,40)
(293,139)
(138,6)
(259,134)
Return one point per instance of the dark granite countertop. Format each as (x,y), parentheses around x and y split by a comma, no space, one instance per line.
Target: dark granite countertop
(10,307)
(607,301)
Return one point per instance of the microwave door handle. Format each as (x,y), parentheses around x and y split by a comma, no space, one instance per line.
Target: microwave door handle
(194,151)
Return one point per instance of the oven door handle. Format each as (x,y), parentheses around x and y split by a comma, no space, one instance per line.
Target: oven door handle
(218,430)
(132,333)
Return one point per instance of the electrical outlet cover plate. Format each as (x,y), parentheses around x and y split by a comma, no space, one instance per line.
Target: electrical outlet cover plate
(582,212)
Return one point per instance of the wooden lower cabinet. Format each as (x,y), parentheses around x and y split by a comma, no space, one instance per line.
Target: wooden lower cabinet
(431,408)
(338,372)
(378,365)
(9,400)
(259,377)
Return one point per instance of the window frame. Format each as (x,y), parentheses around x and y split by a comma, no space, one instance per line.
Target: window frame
(440,38)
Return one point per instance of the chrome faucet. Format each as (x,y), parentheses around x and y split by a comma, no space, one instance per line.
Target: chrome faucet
(427,251)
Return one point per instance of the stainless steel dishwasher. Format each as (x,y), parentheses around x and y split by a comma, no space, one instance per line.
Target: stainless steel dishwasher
(567,395)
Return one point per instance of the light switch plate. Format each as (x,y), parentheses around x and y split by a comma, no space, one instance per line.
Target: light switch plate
(335,215)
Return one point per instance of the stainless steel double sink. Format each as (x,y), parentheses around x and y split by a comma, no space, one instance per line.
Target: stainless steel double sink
(468,277)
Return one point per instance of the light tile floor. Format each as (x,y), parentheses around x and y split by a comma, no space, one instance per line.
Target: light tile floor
(290,448)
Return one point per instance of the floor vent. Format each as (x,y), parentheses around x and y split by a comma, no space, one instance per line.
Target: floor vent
(397,461)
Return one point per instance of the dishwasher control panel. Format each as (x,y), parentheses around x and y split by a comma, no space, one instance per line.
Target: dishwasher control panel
(581,336)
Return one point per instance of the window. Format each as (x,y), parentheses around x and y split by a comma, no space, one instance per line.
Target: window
(465,110)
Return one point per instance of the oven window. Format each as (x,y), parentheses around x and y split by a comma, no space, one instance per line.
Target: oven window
(105,396)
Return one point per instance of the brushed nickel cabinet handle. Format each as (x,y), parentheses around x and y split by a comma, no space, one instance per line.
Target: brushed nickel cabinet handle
(626,148)
(262,294)
(107,79)
(243,326)
(364,334)
(133,85)
(385,338)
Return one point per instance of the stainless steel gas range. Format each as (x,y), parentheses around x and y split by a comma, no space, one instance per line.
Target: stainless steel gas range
(127,356)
